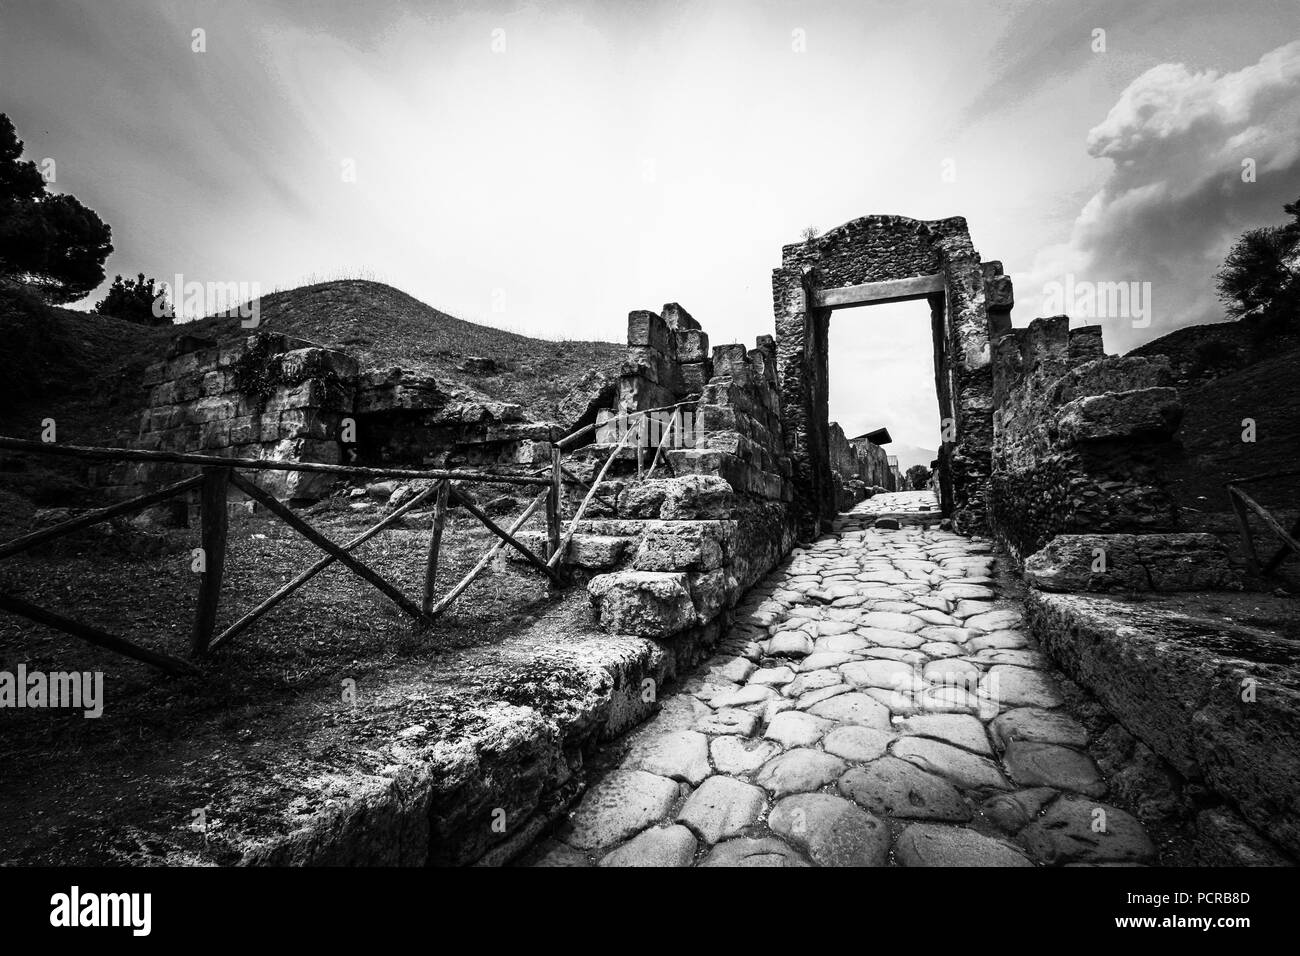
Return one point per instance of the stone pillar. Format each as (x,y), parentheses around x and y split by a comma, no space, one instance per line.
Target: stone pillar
(799,356)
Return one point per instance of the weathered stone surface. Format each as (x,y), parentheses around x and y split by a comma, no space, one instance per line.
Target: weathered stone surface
(1079,830)
(645,603)
(792,643)
(895,675)
(932,844)
(745,851)
(1013,686)
(853,708)
(1012,812)
(893,787)
(794,728)
(799,771)
(772,676)
(728,720)
(743,696)
(683,755)
(658,846)
(891,621)
(1037,764)
(624,803)
(740,755)
(962,767)
(857,743)
(1043,726)
(683,545)
(961,730)
(721,808)
(831,830)
(1174,676)
(1132,562)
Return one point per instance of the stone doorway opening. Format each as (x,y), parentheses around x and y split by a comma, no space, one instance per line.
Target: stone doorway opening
(883,259)
(884,407)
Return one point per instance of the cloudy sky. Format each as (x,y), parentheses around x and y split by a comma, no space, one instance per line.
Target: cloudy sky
(548,167)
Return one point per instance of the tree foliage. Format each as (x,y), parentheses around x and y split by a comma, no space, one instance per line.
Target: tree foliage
(49,242)
(1261,274)
(918,477)
(137,300)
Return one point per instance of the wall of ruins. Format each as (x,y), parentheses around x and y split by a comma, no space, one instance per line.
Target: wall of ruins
(1081,439)
(878,249)
(669,555)
(268,396)
(272,396)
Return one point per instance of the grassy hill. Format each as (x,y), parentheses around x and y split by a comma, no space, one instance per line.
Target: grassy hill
(83,369)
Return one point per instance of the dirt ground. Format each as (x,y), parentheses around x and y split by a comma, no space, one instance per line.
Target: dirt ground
(165,745)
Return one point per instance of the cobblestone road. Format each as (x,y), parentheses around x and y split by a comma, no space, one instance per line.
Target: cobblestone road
(876,703)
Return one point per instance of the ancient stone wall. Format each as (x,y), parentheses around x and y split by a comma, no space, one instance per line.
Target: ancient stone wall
(269,396)
(1081,439)
(673,552)
(275,397)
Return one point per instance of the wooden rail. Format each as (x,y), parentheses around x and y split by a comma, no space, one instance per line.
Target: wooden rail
(212,484)
(1242,505)
(218,474)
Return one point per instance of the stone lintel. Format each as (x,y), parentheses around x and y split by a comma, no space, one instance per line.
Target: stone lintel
(872,293)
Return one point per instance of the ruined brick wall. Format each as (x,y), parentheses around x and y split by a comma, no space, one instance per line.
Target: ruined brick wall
(873,249)
(1081,439)
(268,396)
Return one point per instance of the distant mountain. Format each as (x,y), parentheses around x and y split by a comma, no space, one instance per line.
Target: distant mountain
(909,455)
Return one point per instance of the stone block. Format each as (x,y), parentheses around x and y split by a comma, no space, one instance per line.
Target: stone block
(692,345)
(1131,562)
(644,603)
(1147,412)
(648,330)
(694,377)
(678,318)
(684,545)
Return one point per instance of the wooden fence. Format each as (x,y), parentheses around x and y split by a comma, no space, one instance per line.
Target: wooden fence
(1243,505)
(218,475)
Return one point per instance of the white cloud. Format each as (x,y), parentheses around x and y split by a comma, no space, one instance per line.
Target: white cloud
(1174,198)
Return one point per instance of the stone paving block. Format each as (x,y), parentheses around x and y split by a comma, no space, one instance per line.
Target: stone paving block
(893,787)
(746,852)
(740,755)
(961,730)
(721,808)
(961,767)
(794,728)
(799,771)
(1077,829)
(853,708)
(659,846)
(728,721)
(1043,726)
(831,830)
(1031,763)
(932,844)
(624,803)
(857,743)
(681,755)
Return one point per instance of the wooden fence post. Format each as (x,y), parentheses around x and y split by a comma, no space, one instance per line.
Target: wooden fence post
(435,542)
(212,539)
(553,506)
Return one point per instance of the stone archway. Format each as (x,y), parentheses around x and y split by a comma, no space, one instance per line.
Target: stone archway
(877,259)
